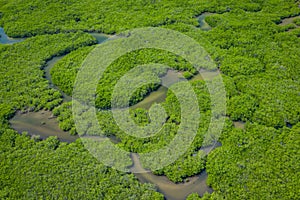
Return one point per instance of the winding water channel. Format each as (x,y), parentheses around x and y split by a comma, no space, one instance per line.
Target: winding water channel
(4,39)
(44,124)
(203,25)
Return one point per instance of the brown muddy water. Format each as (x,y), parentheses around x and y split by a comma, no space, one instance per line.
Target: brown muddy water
(41,123)
(50,64)
(171,191)
(157,96)
(44,124)
(170,78)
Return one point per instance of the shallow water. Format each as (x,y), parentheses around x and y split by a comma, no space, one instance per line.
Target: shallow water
(203,25)
(41,123)
(49,65)
(44,124)
(172,191)
(100,37)
(160,95)
(4,39)
(157,96)
(66,98)
(170,78)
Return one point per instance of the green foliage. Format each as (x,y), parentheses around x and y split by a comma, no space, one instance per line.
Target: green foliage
(140,116)
(184,167)
(288,27)
(187,75)
(239,65)
(263,60)
(206,196)
(52,143)
(96,16)
(21,74)
(65,117)
(29,18)
(192,162)
(277,100)
(259,163)
(297,21)
(260,63)
(6,112)
(133,144)
(241,107)
(193,196)
(64,72)
(213,20)
(230,86)
(53,170)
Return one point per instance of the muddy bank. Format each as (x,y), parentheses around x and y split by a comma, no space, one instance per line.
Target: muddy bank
(239,124)
(288,20)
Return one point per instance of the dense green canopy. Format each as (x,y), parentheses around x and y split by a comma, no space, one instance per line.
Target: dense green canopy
(258,56)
